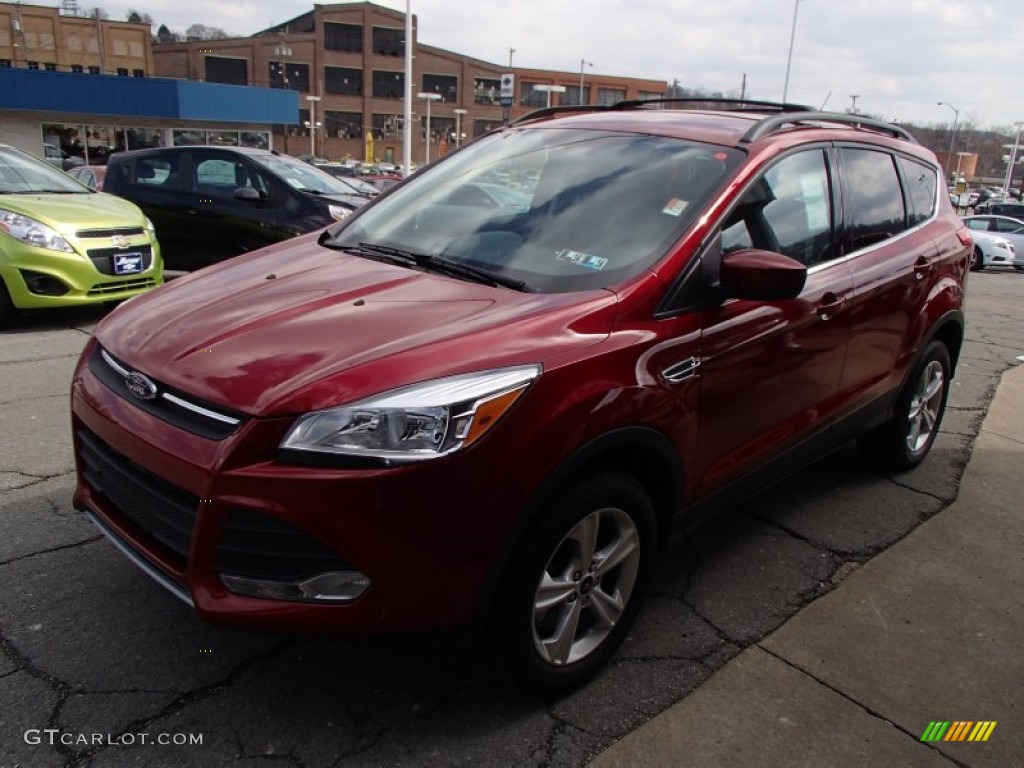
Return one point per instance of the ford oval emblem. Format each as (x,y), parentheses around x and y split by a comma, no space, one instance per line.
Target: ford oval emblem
(140,386)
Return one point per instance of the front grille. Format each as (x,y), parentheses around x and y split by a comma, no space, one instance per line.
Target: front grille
(163,512)
(258,546)
(109,289)
(173,406)
(122,231)
(103,258)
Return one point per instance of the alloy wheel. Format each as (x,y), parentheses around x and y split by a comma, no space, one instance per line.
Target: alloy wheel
(925,406)
(585,586)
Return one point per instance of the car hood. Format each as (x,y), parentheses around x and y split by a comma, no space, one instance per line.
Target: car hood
(301,327)
(69,213)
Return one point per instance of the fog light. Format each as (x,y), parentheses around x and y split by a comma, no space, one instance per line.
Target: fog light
(334,586)
(43,285)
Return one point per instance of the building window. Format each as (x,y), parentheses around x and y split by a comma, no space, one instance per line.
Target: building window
(223,70)
(138,73)
(530,97)
(122,72)
(343,37)
(50,66)
(255,139)
(387,127)
(388,85)
(344,125)
(32,64)
(290,76)
(347,82)
(388,42)
(445,85)
(77,69)
(571,97)
(480,127)
(609,96)
(185,138)
(647,96)
(5,63)
(94,70)
(486,91)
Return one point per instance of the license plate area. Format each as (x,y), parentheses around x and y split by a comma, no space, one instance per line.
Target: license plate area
(127,263)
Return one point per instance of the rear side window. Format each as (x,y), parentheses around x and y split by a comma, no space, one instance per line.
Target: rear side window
(873,198)
(921,183)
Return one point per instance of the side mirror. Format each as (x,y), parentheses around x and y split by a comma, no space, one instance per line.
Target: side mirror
(761,276)
(248,194)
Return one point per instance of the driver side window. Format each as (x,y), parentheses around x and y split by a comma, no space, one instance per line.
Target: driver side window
(787,210)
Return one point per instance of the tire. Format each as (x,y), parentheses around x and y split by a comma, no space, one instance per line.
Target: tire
(7,310)
(576,585)
(903,441)
(977,260)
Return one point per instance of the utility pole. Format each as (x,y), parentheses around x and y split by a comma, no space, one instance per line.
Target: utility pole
(743,88)
(853,105)
(99,40)
(510,52)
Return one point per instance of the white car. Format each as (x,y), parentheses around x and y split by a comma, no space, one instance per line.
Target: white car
(1001,226)
(991,251)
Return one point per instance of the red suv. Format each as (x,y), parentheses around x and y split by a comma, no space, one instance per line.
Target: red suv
(441,411)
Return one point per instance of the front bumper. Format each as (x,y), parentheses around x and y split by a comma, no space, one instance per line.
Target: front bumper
(36,279)
(190,510)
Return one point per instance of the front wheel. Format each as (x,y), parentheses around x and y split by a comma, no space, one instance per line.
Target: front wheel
(576,586)
(977,260)
(903,441)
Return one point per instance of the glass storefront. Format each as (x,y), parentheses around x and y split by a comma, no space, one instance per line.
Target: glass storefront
(93,144)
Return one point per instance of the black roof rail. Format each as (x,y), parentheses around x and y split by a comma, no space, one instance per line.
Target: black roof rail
(730,105)
(771,124)
(722,104)
(547,111)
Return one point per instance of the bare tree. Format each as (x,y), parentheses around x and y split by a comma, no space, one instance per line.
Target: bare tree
(202,32)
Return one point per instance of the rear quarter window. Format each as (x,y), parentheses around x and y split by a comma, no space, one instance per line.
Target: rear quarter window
(921,181)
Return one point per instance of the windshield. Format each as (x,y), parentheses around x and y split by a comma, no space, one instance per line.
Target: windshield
(558,209)
(21,173)
(303,176)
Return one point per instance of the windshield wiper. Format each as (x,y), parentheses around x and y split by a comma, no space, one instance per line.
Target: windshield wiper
(433,263)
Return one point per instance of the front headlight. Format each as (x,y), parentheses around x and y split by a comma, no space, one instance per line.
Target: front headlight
(32,232)
(338,212)
(413,423)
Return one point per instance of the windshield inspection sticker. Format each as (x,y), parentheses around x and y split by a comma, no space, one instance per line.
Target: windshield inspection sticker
(674,207)
(587,260)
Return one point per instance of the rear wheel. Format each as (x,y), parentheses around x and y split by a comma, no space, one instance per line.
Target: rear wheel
(903,441)
(576,585)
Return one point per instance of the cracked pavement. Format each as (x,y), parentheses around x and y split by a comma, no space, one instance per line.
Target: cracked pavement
(89,645)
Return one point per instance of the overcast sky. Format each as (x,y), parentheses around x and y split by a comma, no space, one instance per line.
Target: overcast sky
(900,57)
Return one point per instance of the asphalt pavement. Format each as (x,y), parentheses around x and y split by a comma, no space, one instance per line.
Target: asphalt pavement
(822,623)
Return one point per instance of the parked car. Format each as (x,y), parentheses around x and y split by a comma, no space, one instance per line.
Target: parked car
(1013,210)
(436,413)
(90,175)
(212,203)
(62,245)
(1000,230)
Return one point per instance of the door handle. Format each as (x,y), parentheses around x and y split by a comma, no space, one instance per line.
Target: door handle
(922,267)
(829,305)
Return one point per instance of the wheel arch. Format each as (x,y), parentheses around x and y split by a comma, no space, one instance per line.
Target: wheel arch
(641,452)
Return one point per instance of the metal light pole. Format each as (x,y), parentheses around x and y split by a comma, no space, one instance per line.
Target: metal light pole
(312,124)
(1013,159)
(428,97)
(789,58)
(407,113)
(458,125)
(583,62)
(952,135)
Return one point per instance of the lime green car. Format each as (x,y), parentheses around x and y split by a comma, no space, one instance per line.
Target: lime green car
(62,244)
